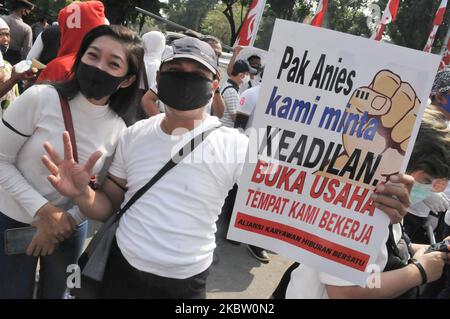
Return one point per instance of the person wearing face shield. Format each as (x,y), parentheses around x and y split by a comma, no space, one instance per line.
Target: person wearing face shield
(428,165)
(435,200)
(21,33)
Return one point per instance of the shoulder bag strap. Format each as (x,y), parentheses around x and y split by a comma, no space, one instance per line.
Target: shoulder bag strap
(181,154)
(67,116)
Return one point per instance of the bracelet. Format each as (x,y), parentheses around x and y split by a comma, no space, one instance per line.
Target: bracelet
(422,271)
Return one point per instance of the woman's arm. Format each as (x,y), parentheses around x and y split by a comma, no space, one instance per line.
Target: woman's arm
(395,282)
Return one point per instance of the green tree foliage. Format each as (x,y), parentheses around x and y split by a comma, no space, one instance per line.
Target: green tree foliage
(123,11)
(223,18)
(413,23)
(189,13)
(216,24)
(292,10)
(348,16)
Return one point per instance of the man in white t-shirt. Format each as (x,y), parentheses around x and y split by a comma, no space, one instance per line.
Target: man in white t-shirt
(165,241)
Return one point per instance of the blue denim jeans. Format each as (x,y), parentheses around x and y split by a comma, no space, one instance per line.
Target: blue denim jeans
(17,272)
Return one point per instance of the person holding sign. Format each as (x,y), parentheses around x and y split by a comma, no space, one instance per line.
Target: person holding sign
(403,269)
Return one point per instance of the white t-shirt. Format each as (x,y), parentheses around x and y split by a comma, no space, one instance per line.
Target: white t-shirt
(37,118)
(308,283)
(170,230)
(247,104)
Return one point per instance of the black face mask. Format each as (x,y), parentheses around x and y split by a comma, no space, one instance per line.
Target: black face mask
(95,83)
(184,91)
(4,48)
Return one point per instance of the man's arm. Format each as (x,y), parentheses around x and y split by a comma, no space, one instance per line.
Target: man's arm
(218,105)
(395,282)
(15,78)
(101,204)
(236,51)
(392,284)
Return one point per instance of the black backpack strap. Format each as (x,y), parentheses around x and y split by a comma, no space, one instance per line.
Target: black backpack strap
(180,155)
(226,88)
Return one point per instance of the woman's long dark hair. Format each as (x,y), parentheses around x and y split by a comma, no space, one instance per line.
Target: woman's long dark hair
(124,100)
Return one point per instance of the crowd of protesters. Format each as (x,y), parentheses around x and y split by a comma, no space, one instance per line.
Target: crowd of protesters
(132,100)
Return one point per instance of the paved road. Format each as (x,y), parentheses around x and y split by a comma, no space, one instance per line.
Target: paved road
(238,275)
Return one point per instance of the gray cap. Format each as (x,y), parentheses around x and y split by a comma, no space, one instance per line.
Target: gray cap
(194,49)
(441,82)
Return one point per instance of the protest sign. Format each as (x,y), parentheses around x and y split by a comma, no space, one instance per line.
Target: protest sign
(337,115)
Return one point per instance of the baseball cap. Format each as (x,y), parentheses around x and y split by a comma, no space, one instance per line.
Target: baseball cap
(240,66)
(3,24)
(441,82)
(22,4)
(194,49)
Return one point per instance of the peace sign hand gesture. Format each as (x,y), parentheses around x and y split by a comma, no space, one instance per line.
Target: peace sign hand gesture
(67,176)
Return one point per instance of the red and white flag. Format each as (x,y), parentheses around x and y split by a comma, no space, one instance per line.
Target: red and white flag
(389,15)
(247,35)
(320,13)
(445,58)
(438,18)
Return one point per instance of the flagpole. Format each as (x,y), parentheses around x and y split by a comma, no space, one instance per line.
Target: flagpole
(447,37)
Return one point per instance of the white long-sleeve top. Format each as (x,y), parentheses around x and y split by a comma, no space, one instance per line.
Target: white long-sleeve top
(33,119)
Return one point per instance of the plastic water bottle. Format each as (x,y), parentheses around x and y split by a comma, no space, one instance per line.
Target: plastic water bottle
(23,66)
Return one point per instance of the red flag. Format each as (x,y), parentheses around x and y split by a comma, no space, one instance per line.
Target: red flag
(320,13)
(389,15)
(247,35)
(438,18)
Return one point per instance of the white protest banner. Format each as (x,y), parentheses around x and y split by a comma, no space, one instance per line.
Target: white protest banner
(337,114)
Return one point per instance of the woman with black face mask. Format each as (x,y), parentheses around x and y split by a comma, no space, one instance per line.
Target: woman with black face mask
(103,85)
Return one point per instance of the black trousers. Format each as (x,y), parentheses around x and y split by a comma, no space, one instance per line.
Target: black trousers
(121,280)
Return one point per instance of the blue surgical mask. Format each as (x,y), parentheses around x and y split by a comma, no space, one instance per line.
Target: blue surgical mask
(419,192)
(446,106)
